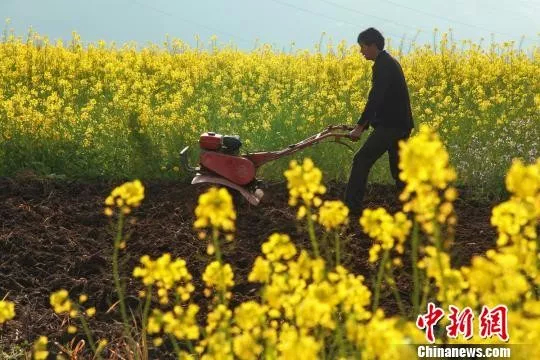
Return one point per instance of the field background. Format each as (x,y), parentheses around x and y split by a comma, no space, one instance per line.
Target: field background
(120,112)
(103,113)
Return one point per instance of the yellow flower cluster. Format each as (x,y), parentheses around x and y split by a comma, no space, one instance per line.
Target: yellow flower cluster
(40,348)
(216,344)
(181,322)
(510,273)
(501,278)
(517,219)
(125,197)
(60,302)
(7,311)
(279,247)
(423,183)
(218,276)
(450,282)
(169,275)
(165,274)
(333,215)
(249,330)
(390,232)
(294,341)
(303,301)
(304,183)
(496,279)
(353,295)
(381,338)
(524,181)
(215,209)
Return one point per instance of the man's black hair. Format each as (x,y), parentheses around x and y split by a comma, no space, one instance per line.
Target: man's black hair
(371,36)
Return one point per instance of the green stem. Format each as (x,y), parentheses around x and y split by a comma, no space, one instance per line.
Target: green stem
(321,338)
(425,293)
(88,335)
(99,350)
(191,348)
(338,338)
(146,310)
(117,284)
(311,231)
(116,274)
(439,259)
(379,281)
(268,349)
(215,238)
(416,280)
(175,346)
(537,249)
(391,280)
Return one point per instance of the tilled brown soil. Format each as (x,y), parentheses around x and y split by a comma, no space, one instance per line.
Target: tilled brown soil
(53,235)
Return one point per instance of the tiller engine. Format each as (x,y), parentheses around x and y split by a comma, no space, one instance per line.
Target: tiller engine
(220,161)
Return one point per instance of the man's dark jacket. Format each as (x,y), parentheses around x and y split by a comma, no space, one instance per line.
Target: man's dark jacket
(388,102)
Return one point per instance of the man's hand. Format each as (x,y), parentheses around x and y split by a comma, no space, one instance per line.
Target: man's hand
(356,132)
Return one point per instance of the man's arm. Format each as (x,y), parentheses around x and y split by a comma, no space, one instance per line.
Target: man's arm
(380,84)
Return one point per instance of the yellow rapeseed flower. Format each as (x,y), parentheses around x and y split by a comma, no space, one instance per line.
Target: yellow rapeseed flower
(181,322)
(166,274)
(218,276)
(524,181)
(279,247)
(40,348)
(261,270)
(424,148)
(381,338)
(125,197)
(333,214)
(293,341)
(388,231)
(246,346)
(378,224)
(304,182)
(424,183)
(60,301)
(216,210)
(496,278)
(249,315)
(7,311)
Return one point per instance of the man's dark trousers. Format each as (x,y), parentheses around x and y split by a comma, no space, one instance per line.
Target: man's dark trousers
(379,141)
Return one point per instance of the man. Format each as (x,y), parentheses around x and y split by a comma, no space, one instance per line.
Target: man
(388,111)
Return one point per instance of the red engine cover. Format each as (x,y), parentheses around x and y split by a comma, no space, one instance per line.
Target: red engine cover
(237,169)
(210,141)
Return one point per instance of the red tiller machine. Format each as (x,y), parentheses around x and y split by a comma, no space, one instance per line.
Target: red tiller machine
(220,161)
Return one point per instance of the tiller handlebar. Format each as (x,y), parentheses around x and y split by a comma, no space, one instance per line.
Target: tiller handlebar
(335,132)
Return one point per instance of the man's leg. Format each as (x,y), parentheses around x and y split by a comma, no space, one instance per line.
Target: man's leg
(374,147)
(393,157)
